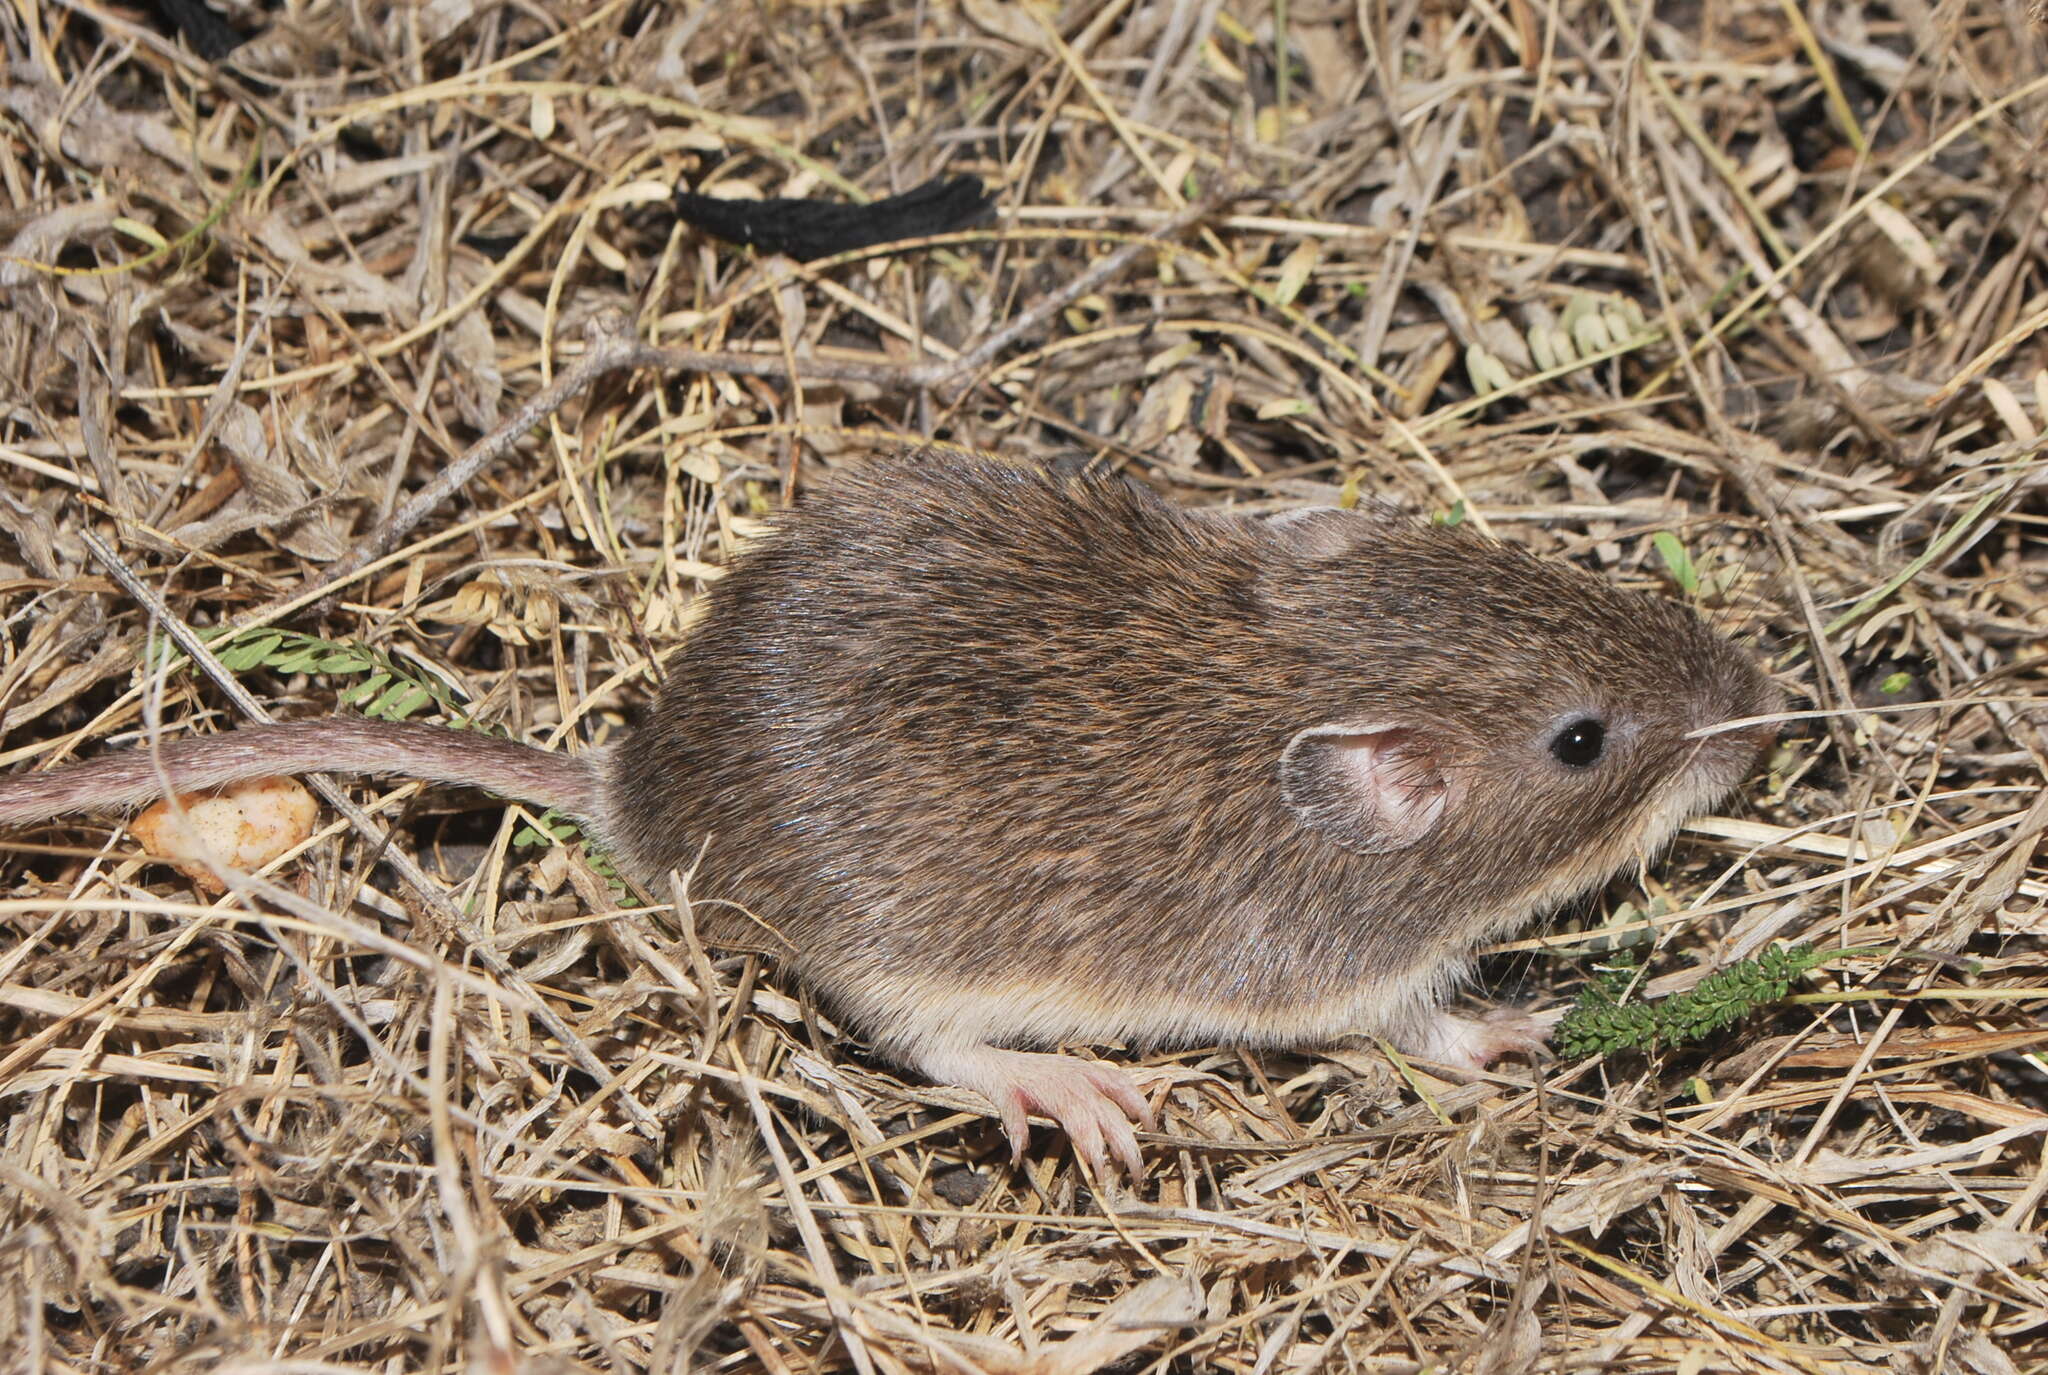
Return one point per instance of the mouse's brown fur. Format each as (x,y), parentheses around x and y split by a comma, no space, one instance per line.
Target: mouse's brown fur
(1002,754)
(1016,758)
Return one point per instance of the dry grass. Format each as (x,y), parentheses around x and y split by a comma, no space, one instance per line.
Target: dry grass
(333,1122)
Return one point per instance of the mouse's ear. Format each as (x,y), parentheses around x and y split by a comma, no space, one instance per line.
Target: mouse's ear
(1372,788)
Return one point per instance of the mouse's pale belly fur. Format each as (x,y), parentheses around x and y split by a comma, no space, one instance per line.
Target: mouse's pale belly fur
(1401,1004)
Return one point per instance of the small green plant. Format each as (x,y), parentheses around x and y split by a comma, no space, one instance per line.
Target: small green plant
(551,828)
(1601,1023)
(389,692)
(1676,561)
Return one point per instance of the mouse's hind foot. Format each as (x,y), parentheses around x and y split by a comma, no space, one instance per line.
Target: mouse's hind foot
(1094,1104)
(1473,1043)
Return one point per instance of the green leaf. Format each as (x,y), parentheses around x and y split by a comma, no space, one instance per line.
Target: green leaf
(389,692)
(243,655)
(551,827)
(1895,684)
(136,229)
(402,701)
(1677,561)
(300,660)
(365,690)
(345,659)
(555,828)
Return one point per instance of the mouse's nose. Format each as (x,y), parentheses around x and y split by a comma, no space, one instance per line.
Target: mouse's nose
(1724,757)
(1750,696)
(1732,736)
(1754,738)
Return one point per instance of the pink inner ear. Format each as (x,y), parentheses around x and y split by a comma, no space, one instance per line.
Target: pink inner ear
(1372,787)
(1396,779)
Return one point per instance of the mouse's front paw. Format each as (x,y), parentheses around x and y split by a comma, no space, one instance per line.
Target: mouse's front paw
(1473,1043)
(1094,1104)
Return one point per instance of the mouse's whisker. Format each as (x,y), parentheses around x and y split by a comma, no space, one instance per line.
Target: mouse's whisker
(1740,723)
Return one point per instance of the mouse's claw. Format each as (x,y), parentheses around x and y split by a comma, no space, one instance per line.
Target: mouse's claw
(1094,1104)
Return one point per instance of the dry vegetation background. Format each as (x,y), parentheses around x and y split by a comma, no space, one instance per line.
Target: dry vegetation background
(251,309)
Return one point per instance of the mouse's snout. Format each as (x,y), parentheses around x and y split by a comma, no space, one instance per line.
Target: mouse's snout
(1761,698)
(1726,724)
(1738,744)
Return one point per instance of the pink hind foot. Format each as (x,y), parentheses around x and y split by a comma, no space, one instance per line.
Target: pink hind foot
(1094,1104)
(1473,1043)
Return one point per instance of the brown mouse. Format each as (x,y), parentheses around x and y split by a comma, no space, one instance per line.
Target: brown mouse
(1014,758)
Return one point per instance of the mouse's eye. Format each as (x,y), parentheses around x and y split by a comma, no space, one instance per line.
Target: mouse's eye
(1580,743)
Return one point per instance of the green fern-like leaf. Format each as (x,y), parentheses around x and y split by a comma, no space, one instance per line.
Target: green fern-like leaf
(553,828)
(390,691)
(1601,1023)
(247,653)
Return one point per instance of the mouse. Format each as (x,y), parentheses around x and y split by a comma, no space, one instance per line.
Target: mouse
(1015,758)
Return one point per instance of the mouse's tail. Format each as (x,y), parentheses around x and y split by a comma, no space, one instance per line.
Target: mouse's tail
(343,744)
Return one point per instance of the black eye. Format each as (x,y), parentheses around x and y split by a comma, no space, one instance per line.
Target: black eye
(1580,743)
